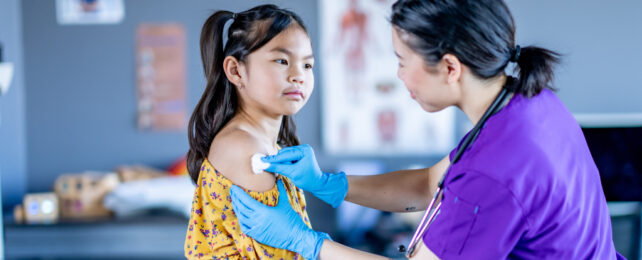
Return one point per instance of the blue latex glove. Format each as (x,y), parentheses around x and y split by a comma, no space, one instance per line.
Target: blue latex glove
(279,226)
(299,164)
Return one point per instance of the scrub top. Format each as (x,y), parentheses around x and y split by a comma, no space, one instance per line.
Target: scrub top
(527,188)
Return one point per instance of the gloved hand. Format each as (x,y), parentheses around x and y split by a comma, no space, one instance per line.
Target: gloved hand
(279,226)
(299,164)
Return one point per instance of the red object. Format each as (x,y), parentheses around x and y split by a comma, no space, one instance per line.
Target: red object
(178,167)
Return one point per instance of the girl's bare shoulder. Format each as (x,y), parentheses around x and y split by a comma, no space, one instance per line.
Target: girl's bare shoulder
(230,154)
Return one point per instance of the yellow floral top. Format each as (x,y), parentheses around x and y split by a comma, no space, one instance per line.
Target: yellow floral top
(214,231)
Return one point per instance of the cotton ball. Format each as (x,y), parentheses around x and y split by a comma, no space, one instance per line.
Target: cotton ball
(258,166)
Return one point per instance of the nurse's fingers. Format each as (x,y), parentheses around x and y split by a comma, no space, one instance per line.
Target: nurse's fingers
(241,211)
(285,155)
(283,169)
(244,219)
(242,200)
(243,222)
(245,228)
(283,195)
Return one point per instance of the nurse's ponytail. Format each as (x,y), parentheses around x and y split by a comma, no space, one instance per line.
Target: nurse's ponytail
(480,33)
(535,69)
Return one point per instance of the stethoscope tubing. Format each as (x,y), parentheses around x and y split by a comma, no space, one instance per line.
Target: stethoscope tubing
(431,212)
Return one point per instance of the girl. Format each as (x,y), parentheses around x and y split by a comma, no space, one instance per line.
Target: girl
(258,65)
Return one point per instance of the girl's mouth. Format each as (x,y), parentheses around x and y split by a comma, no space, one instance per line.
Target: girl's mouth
(294,94)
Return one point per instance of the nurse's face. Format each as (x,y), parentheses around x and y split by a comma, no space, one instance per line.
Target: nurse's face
(433,87)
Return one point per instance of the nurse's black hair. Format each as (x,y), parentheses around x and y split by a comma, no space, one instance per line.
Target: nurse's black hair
(249,31)
(480,33)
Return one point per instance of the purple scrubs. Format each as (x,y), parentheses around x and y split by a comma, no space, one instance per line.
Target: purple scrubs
(527,188)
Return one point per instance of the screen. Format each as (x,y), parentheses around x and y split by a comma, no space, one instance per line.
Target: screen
(618,155)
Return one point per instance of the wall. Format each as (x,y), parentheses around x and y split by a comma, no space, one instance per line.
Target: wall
(602,46)
(13,162)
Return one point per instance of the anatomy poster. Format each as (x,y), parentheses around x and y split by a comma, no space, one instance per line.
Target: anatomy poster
(366,109)
(161,83)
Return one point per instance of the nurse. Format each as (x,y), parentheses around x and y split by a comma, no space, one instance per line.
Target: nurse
(522,184)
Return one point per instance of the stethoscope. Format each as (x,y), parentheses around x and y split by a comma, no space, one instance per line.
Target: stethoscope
(431,212)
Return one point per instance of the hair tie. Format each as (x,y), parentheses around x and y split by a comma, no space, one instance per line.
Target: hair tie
(516,53)
(226,29)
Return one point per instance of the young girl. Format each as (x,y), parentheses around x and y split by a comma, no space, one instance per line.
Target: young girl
(258,65)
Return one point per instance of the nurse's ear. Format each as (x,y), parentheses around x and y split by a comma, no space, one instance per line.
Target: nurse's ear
(453,68)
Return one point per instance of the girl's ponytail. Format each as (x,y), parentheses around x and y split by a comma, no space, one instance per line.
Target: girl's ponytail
(219,101)
(212,43)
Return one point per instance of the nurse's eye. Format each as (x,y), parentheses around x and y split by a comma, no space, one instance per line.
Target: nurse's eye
(282,61)
(400,65)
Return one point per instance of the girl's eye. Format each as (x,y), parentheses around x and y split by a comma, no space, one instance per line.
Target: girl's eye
(308,66)
(282,62)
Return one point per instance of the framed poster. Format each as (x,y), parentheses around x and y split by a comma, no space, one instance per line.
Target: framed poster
(366,109)
(160,73)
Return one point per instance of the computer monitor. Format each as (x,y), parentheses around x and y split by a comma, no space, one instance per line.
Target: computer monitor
(615,141)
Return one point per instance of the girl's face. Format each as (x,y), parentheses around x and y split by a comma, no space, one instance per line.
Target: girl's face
(431,86)
(277,78)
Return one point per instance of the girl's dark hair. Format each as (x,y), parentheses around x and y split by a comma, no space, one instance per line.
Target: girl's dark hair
(480,33)
(249,31)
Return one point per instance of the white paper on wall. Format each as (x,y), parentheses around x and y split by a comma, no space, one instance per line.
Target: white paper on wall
(80,12)
(366,109)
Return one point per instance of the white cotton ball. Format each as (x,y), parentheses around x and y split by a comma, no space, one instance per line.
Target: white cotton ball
(258,166)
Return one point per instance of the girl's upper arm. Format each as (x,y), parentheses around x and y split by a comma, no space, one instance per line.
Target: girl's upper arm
(231,155)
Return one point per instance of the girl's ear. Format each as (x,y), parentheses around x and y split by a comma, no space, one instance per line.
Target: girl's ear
(453,68)
(232,68)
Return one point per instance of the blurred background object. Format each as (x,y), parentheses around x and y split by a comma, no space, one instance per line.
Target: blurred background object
(40,208)
(81,194)
(6,74)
